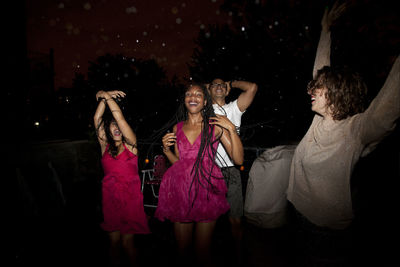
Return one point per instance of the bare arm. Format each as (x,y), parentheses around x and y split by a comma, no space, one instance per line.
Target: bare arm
(169,140)
(249,91)
(229,139)
(126,130)
(323,54)
(98,115)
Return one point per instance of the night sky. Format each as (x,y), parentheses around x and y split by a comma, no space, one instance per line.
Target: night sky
(81,31)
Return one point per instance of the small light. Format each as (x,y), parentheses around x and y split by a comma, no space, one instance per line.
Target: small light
(36,123)
(242,168)
(146,161)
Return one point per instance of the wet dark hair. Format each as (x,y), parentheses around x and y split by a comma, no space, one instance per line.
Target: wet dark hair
(202,175)
(106,120)
(346,91)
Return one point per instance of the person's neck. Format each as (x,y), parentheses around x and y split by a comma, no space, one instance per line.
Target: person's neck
(220,101)
(194,119)
(328,118)
(118,144)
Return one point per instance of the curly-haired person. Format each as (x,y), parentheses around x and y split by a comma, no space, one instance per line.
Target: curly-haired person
(341,132)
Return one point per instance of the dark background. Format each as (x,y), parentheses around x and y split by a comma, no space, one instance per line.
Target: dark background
(272,43)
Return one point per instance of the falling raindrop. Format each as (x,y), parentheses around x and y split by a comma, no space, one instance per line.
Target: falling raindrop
(178,21)
(243,28)
(131,10)
(174,10)
(69,26)
(52,22)
(87,6)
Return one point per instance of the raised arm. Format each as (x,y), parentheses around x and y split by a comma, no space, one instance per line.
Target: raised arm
(249,91)
(383,112)
(97,119)
(107,98)
(229,139)
(323,55)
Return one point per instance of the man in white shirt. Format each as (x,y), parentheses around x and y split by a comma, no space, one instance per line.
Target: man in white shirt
(234,110)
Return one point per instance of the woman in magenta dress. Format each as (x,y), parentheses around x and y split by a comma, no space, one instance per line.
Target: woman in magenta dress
(122,201)
(192,192)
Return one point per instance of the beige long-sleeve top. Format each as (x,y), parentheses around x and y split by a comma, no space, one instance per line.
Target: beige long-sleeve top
(319,183)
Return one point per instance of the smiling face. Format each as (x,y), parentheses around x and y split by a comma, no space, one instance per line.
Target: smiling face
(319,102)
(218,89)
(194,99)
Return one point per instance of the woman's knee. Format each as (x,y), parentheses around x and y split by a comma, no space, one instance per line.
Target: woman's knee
(115,238)
(127,240)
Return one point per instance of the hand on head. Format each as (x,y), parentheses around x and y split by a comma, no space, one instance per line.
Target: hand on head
(107,94)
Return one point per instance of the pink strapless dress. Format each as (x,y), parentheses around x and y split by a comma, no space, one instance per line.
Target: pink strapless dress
(122,198)
(205,203)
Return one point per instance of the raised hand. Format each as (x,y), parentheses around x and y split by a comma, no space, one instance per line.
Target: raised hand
(116,93)
(330,16)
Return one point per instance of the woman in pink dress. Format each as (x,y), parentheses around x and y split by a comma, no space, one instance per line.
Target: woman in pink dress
(122,202)
(192,192)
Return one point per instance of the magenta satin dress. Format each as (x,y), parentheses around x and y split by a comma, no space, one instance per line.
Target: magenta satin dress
(205,203)
(122,198)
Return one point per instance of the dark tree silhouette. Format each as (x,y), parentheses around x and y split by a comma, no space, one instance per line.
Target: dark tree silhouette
(151,98)
(269,44)
(273,43)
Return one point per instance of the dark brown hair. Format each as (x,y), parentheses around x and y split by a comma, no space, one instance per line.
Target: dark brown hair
(346,91)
